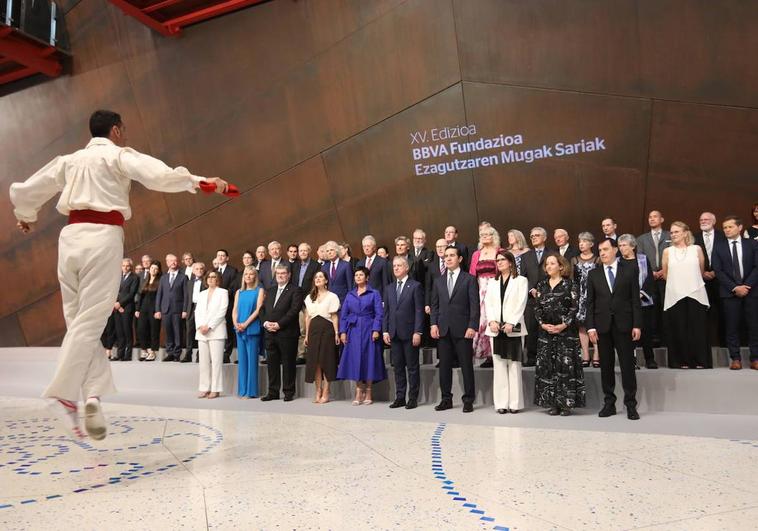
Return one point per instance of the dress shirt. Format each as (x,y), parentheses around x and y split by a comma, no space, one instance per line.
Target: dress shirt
(370,261)
(97,177)
(739,253)
(563,249)
(221,269)
(196,290)
(188,272)
(708,237)
(402,282)
(456,272)
(303,268)
(614,268)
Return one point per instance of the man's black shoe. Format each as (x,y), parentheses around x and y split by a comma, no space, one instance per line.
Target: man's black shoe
(468,407)
(289,398)
(169,357)
(412,404)
(607,411)
(631,413)
(443,405)
(651,364)
(300,361)
(269,397)
(397,403)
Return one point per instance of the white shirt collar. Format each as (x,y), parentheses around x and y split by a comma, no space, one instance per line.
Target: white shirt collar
(402,280)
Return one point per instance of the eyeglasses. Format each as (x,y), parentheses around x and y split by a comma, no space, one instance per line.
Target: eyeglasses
(534,235)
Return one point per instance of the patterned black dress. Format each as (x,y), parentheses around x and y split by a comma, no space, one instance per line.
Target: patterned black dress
(559,378)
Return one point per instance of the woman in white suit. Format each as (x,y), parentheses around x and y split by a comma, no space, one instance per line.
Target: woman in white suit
(210,323)
(505,301)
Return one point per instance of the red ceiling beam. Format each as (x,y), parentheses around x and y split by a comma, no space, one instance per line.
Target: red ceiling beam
(147,20)
(14,75)
(25,52)
(208,12)
(159,6)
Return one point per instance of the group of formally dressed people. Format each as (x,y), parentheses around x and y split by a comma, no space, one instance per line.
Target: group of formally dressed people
(503,305)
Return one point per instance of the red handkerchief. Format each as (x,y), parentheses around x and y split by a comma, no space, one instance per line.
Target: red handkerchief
(209,188)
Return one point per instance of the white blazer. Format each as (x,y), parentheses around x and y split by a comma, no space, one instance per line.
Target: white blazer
(514,303)
(211,313)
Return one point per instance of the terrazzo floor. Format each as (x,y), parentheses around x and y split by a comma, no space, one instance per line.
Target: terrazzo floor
(177,468)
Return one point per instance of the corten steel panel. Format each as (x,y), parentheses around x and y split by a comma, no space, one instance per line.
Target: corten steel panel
(375,189)
(702,158)
(294,206)
(10,332)
(42,323)
(572,191)
(571,44)
(700,51)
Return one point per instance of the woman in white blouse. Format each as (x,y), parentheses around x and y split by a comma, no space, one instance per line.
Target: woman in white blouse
(505,301)
(210,323)
(321,336)
(685,304)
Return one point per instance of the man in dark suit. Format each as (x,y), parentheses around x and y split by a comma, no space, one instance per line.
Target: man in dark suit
(266,269)
(735,262)
(421,255)
(229,276)
(378,267)
(169,306)
(451,237)
(652,244)
(124,311)
(303,271)
(562,243)
(403,249)
(191,291)
(707,239)
(339,272)
(614,322)
(402,327)
(283,303)
(187,261)
(435,268)
(532,263)
(455,319)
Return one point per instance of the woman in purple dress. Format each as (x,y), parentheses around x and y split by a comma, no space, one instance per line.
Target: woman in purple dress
(360,332)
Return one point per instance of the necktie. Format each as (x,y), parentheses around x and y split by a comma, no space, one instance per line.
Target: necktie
(278,294)
(273,266)
(656,241)
(442,267)
(611,277)
(736,262)
(123,278)
(334,269)
(450,284)
(369,260)
(399,289)
(539,256)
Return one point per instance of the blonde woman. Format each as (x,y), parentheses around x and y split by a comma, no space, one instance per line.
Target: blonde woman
(210,326)
(484,269)
(685,304)
(517,246)
(248,302)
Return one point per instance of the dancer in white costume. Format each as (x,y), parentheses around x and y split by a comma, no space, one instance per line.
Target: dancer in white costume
(94,183)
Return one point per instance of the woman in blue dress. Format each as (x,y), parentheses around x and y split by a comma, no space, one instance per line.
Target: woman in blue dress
(248,302)
(360,330)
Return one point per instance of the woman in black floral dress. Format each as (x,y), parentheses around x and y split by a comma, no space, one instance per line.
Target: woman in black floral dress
(559,378)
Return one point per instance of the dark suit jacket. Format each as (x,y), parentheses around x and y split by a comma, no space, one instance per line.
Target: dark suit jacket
(621,308)
(718,236)
(432,274)
(724,267)
(422,263)
(265,274)
(453,315)
(189,308)
(648,285)
(533,270)
(380,273)
(286,310)
(342,282)
(571,252)
(170,298)
(127,292)
(465,253)
(403,317)
(310,270)
(229,280)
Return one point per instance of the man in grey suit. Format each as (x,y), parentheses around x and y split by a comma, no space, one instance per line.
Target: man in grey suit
(652,244)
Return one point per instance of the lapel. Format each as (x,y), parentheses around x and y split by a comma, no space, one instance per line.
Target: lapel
(284,291)
(604,279)
(402,292)
(455,286)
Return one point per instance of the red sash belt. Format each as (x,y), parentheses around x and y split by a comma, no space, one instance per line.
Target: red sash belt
(92,216)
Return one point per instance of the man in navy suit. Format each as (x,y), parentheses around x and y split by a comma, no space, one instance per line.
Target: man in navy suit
(735,262)
(379,268)
(169,306)
(339,272)
(402,325)
(455,319)
(124,310)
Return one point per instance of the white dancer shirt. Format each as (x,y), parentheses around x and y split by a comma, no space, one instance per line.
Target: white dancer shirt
(98,178)
(683,278)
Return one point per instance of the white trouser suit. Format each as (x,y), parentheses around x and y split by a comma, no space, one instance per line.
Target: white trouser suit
(96,178)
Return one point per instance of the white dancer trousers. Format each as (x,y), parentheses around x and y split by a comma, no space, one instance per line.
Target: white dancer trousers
(89,266)
(507,388)
(211,360)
